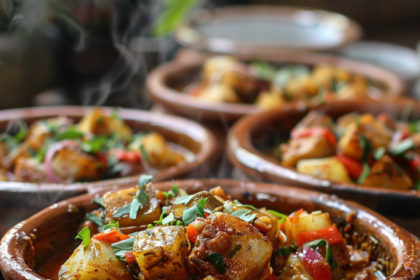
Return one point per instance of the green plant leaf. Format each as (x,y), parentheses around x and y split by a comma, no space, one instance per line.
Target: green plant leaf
(84,234)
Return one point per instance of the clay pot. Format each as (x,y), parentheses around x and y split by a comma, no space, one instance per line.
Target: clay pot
(21,200)
(166,83)
(50,232)
(251,143)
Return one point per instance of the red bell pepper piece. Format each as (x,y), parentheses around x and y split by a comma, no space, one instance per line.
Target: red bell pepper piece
(192,233)
(127,156)
(112,236)
(129,256)
(315,263)
(306,132)
(415,161)
(330,234)
(354,167)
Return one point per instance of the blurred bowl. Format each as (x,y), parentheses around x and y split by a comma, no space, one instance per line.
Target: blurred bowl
(252,136)
(166,84)
(51,233)
(21,200)
(401,60)
(259,30)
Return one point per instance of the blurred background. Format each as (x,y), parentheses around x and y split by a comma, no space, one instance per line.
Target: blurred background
(99,52)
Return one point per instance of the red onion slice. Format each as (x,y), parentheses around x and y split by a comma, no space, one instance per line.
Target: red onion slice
(51,176)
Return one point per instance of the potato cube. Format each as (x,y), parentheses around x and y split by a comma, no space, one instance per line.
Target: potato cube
(30,170)
(315,119)
(146,215)
(97,261)
(161,252)
(385,173)
(75,166)
(97,123)
(305,223)
(316,146)
(324,168)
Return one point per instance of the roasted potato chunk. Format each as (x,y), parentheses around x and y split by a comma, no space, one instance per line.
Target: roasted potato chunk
(97,123)
(269,99)
(324,168)
(73,166)
(158,154)
(385,173)
(305,223)
(219,93)
(115,201)
(30,170)
(316,146)
(162,252)
(27,149)
(315,119)
(97,261)
(212,203)
(222,234)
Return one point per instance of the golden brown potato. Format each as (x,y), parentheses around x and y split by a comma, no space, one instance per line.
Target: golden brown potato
(305,223)
(212,203)
(385,173)
(219,93)
(30,170)
(222,234)
(324,168)
(162,252)
(97,261)
(374,131)
(270,99)
(316,146)
(315,119)
(227,71)
(74,166)
(97,123)
(158,153)
(3,150)
(115,201)
(301,88)
(3,176)
(29,148)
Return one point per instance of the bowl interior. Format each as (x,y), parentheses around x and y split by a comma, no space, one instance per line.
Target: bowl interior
(258,137)
(21,200)
(42,243)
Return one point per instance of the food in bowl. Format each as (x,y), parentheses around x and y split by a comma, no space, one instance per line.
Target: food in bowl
(143,233)
(98,147)
(368,150)
(226,79)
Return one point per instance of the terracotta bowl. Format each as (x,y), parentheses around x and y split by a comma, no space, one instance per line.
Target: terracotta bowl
(250,146)
(21,200)
(29,249)
(166,84)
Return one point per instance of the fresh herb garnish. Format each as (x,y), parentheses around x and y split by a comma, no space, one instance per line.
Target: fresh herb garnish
(143,153)
(164,212)
(121,247)
(285,251)
(234,251)
(216,259)
(244,205)
(122,211)
(282,217)
(191,214)
(94,218)
(175,190)
(263,70)
(111,225)
(84,234)
(183,199)
(100,201)
(366,150)
(379,153)
(243,215)
(168,219)
(94,145)
(417,185)
(70,133)
(402,146)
